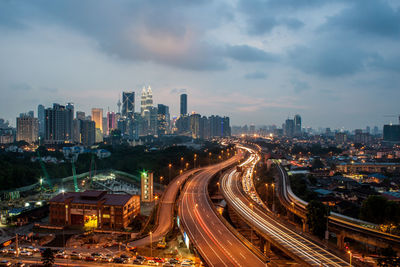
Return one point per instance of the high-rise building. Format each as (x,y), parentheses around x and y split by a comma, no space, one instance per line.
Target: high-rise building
(195,125)
(111,122)
(184,104)
(88,132)
(162,119)
(128,104)
(69,120)
(391,133)
(41,120)
(97,117)
(58,124)
(80,115)
(297,125)
(289,128)
(146,100)
(27,128)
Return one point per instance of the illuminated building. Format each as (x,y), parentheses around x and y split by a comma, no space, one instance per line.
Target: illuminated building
(41,120)
(111,122)
(87,132)
(147,186)
(94,209)
(297,125)
(146,100)
(128,104)
(162,119)
(27,128)
(97,117)
(391,132)
(59,124)
(184,104)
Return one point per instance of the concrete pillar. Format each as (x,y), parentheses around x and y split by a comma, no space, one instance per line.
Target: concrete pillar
(340,240)
(267,248)
(305,226)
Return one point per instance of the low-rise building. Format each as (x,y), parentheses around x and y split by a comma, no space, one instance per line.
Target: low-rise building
(94,209)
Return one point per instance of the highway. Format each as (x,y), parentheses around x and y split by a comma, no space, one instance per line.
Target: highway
(214,241)
(266,225)
(298,206)
(166,210)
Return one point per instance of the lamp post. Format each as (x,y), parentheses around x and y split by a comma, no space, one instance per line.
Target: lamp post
(209,158)
(351,256)
(151,244)
(181,162)
(273,197)
(266,193)
(169,172)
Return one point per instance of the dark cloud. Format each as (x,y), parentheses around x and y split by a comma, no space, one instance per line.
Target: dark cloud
(247,53)
(329,59)
(367,17)
(166,32)
(257,75)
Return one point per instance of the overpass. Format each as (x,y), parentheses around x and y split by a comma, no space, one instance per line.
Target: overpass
(342,226)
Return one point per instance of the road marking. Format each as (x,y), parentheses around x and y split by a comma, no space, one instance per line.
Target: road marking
(229,242)
(242,255)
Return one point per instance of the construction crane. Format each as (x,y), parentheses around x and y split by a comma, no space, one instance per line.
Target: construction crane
(393,116)
(48,181)
(74,174)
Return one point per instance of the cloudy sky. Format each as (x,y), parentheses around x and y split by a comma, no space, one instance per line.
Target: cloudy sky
(337,63)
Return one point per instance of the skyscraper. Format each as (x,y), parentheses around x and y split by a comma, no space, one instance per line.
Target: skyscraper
(128,104)
(297,125)
(289,128)
(111,122)
(27,128)
(97,117)
(162,119)
(41,118)
(88,132)
(58,124)
(183,104)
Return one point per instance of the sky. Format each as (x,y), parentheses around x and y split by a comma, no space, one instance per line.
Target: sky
(336,63)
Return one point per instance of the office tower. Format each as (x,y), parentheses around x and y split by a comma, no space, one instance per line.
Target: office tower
(58,124)
(183,124)
(146,100)
(88,132)
(128,104)
(31,114)
(152,122)
(41,118)
(80,115)
(376,130)
(252,129)
(195,125)
(97,117)
(69,120)
(226,127)
(105,125)
(77,130)
(162,119)
(183,104)
(297,125)
(111,122)
(391,133)
(289,128)
(27,128)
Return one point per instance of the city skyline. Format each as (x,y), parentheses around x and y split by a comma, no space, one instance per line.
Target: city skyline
(257,62)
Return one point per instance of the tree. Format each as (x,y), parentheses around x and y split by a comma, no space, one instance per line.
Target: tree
(373,209)
(48,257)
(317,164)
(316,215)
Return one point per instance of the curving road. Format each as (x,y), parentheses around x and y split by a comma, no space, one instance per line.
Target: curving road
(215,242)
(166,208)
(265,224)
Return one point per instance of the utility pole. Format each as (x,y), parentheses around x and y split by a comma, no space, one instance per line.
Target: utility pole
(16,245)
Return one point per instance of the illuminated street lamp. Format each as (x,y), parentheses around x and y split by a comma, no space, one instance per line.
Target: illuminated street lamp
(151,244)
(169,172)
(351,256)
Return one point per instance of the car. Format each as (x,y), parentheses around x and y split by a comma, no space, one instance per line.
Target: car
(11,251)
(139,257)
(75,256)
(174,261)
(152,262)
(90,258)
(159,260)
(104,258)
(124,256)
(19,264)
(137,261)
(5,263)
(32,249)
(168,264)
(120,260)
(186,264)
(133,249)
(25,253)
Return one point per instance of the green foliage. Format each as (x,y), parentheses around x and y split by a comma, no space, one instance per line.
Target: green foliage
(317,214)
(379,210)
(298,183)
(48,257)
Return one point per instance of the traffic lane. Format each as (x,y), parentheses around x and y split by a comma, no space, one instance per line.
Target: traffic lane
(165,222)
(216,243)
(309,251)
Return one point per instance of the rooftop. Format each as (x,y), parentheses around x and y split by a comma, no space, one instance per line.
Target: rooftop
(92,197)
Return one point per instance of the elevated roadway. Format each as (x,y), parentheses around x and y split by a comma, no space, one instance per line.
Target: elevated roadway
(215,242)
(266,225)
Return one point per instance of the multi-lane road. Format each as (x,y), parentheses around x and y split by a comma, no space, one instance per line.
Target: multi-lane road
(214,241)
(166,210)
(267,226)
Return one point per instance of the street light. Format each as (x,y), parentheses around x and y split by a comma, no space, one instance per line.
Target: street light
(273,197)
(169,172)
(351,255)
(151,244)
